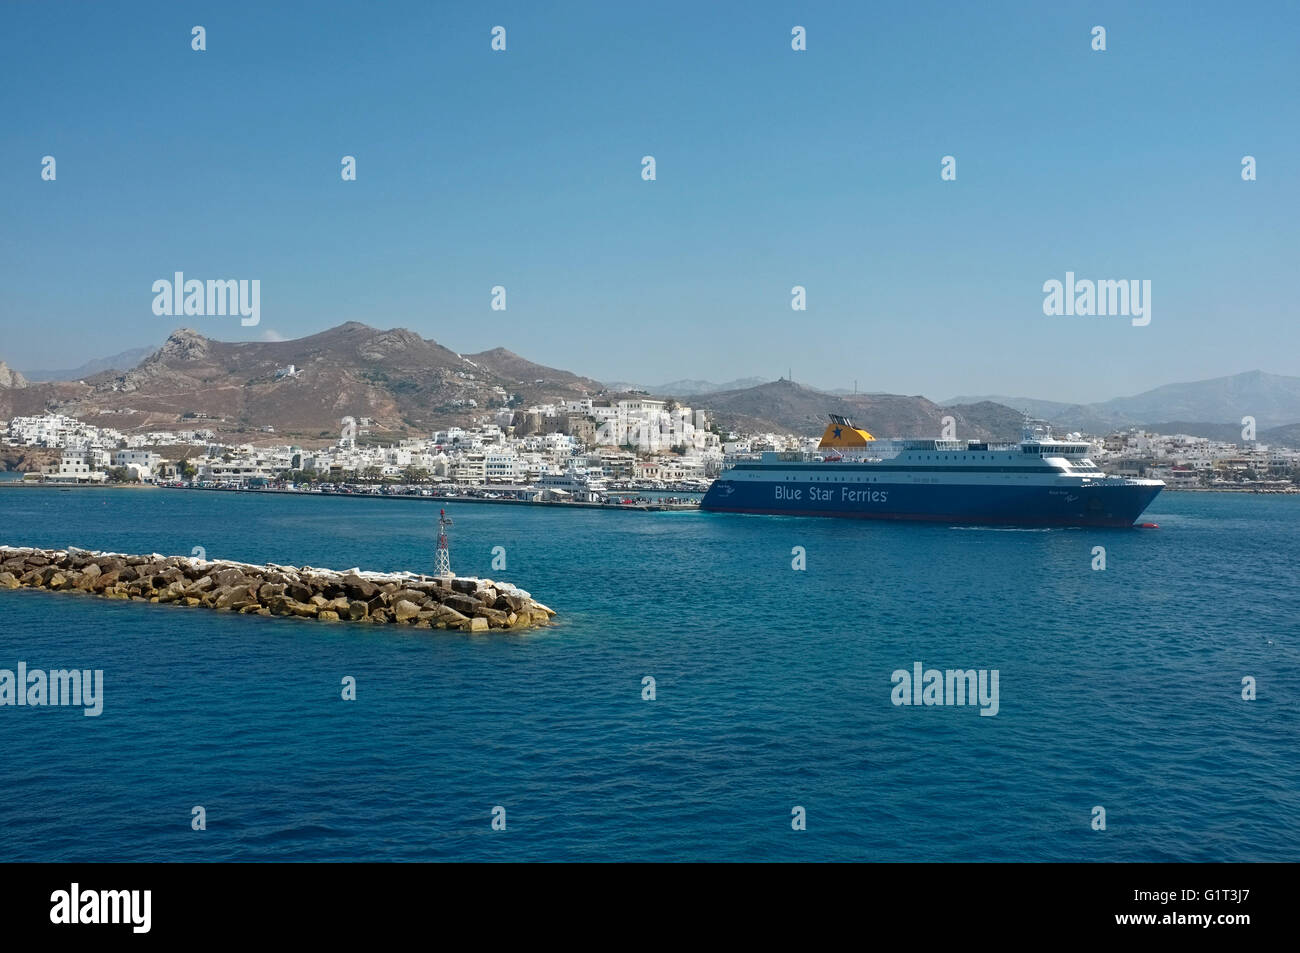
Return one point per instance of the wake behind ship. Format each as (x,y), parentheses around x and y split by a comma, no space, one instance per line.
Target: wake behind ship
(1037,482)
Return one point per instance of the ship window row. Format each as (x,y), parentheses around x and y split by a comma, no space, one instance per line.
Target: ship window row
(839,480)
(973,456)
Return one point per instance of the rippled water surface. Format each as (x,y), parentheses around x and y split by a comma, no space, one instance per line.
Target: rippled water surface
(1119,688)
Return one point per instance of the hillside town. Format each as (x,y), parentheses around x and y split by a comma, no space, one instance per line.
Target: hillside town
(565,449)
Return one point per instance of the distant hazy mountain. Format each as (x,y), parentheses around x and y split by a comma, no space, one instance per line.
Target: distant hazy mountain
(118,362)
(1288,436)
(1046,409)
(1272,399)
(786,407)
(686,388)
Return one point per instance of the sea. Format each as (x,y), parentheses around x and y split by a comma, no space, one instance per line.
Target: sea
(700,698)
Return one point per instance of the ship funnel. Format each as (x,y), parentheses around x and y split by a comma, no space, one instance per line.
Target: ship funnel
(842,433)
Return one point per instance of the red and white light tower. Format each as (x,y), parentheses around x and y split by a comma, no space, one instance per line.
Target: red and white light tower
(442,561)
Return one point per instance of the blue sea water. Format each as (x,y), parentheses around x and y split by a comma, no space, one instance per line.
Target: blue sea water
(1118,688)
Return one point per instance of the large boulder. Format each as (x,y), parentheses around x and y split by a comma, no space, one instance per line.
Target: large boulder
(357,588)
(496,617)
(228,577)
(448,616)
(173,591)
(404,610)
(298,592)
(225,597)
(408,595)
(165,578)
(268,589)
(465,605)
(304,609)
(510,602)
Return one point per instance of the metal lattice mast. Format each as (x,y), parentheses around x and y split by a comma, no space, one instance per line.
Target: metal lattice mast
(442,561)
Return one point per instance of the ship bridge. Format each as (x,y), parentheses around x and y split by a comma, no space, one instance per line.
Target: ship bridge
(1056,448)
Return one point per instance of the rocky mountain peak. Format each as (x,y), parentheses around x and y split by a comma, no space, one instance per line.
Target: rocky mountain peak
(184,344)
(386,344)
(11,378)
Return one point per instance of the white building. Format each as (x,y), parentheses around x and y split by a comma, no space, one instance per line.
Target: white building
(501,465)
(76,466)
(141,464)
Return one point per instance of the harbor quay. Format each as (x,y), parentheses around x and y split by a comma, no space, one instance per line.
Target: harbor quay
(518,496)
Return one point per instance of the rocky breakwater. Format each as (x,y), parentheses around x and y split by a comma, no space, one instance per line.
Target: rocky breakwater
(352,595)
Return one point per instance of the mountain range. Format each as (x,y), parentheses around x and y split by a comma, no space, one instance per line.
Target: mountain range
(785,406)
(686,388)
(118,362)
(403,382)
(410,385)
(1272,399)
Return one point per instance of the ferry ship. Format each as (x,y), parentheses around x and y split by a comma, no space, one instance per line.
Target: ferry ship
(1040,481)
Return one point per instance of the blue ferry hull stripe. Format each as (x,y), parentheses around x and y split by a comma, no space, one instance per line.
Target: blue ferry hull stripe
(1041,505)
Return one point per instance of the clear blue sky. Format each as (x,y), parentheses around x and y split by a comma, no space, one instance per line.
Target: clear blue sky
(775,168)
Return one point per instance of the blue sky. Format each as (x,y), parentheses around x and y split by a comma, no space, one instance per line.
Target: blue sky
(775,169)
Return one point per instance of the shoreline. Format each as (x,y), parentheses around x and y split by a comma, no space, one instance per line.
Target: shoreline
(80,486)
(1220,489)
(651,506)
(642,507)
